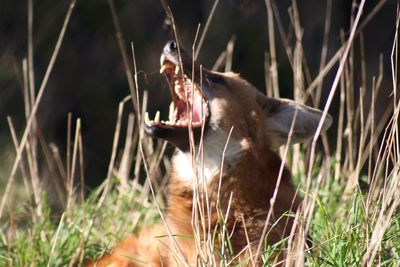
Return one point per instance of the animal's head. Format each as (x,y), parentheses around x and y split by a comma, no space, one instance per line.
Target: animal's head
(214,103)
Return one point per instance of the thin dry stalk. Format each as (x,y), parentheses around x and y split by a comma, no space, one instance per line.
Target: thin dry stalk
(251,257)
(394,65)
(32,96)
(205,30)
(324,50)
(267,77)
(30,51)
(372,130)
(124,54)
(296,25)
(149,147)
(291,257)
(111,165)
(282,33)
(310,205)
(22,167)
(31,143)
(58,183)
(353,179)
(298,80)
(201,207)
(272,49)
(207,251)
(68,150)
(224,229)
(363,63)
(154,163)
(218,63)
(229,54)
(53,247)
(340,131)
(57,158)
(222,164)
(126,160)
(70,187)
(27,104)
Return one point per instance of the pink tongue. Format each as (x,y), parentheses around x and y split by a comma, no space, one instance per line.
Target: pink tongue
(184,113)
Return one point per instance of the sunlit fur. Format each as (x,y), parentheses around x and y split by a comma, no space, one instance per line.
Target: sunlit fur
(248,180)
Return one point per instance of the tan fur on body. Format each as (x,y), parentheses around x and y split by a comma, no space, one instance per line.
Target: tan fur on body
(251,169)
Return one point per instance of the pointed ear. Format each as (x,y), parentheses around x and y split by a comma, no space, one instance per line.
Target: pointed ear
(279,114)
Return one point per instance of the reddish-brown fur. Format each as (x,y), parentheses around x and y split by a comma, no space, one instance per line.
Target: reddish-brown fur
(251,183)
(248,179)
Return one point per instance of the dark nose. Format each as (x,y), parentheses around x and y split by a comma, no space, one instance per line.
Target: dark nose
(170,46)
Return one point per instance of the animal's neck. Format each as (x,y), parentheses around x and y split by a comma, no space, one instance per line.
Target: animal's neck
(208,162)
(249,180)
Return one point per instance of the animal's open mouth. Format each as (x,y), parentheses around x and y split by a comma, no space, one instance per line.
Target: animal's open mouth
(188,103)
(188,108)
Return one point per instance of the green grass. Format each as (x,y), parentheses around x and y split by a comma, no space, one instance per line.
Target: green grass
(58,239)
(340,230)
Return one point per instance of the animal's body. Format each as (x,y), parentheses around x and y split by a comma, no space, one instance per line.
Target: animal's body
(234,124)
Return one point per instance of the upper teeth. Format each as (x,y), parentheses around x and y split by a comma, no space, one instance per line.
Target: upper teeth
(177,69)
(167,65)
(172,118)
(162,69)
(172,112)
(146,118)
(157,117)
(179,90)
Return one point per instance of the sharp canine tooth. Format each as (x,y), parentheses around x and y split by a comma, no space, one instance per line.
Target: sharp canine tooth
(146,118)
(157,117)
(171,111)
(177,69)
(162,69)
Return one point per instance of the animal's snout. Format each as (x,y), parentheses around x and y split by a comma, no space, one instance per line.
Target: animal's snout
(170,47)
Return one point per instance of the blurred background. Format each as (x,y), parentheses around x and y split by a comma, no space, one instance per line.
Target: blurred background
(89,80)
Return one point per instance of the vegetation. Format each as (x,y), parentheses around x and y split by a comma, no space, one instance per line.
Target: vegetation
(352,192)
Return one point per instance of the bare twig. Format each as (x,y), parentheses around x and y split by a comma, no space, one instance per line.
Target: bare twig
(272,49)
(203,34)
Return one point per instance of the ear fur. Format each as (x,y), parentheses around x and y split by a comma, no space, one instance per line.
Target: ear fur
(279,114)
